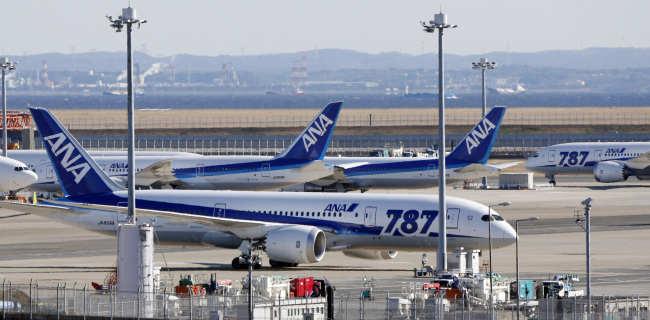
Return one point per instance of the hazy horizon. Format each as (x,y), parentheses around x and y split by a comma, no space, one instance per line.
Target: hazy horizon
(213,28)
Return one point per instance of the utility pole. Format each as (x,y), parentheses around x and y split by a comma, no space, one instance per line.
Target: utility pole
(440,22)
(128,18)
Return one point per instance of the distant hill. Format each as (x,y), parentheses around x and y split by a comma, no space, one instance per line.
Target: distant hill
(336,59)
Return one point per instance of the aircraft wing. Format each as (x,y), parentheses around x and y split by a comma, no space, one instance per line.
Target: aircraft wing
(639,163)
(475,171)
(38,209)
(157,175)
(504,165)
(339,177)
(240,228)
(351,165)
(475,168)
(11,215)
(159,172)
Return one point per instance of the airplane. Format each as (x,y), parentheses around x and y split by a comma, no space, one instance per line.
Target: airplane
(466,162)
(299,162)
(15,175)
(607,161)
(32,158)
(292,228)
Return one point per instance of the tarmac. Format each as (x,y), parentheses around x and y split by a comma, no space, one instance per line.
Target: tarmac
(50,253)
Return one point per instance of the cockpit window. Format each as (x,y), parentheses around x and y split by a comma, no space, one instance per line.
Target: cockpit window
(536,155)
(494,217)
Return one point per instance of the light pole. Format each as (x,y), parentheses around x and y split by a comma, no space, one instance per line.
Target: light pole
(128,18)
(502,204)
(585,223)
(5,65)
(440,22)
(482,65)
(517,258)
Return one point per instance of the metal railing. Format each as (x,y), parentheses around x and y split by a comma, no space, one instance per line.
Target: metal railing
(506,146)
(38,301)
(422,118)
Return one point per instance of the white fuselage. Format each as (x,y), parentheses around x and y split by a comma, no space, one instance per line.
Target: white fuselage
(33,158)
(353,221)
(580,158)
(201,172)
(15,175)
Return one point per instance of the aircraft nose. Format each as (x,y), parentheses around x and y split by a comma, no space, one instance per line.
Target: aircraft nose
(528,164)
(509,235)
(30,177)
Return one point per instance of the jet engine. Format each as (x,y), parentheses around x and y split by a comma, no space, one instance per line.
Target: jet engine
(296,244)
(610,171)
(371,254)
(311,187)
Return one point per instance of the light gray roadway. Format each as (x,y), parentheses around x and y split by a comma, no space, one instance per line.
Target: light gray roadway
(51,252)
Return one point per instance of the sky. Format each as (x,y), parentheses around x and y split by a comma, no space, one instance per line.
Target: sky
(254,27)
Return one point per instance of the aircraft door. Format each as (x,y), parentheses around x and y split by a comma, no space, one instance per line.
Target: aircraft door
(452,218)
(598,155)
(122,217)
(199,170)
(219,210)
(266,170)
(49,172)
(551,156)
(370,218)
(433,169)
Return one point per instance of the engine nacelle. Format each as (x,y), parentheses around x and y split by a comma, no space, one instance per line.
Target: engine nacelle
(610,171)
(296,244)
(310,187)
(371,254)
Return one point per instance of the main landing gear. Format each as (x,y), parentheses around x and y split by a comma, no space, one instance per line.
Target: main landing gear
(242,262)
(551,177)
(250,254)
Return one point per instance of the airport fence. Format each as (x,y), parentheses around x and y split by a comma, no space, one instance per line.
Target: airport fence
(419,118)
(505,146)
(31,301)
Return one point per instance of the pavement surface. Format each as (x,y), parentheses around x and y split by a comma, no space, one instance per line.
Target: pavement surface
(38,249)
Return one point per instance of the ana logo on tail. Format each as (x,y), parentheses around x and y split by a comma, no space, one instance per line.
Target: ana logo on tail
(56,142)
(476,136)
(309,138)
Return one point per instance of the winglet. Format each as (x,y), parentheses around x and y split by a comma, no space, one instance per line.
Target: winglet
(312,142)
(77,171)
(477,144)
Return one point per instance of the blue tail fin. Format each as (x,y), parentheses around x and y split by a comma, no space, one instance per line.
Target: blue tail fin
(77,171)
(477,144)
(312,142)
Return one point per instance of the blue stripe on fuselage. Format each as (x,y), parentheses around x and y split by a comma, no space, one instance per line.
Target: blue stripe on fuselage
(254,166)
(402,166)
